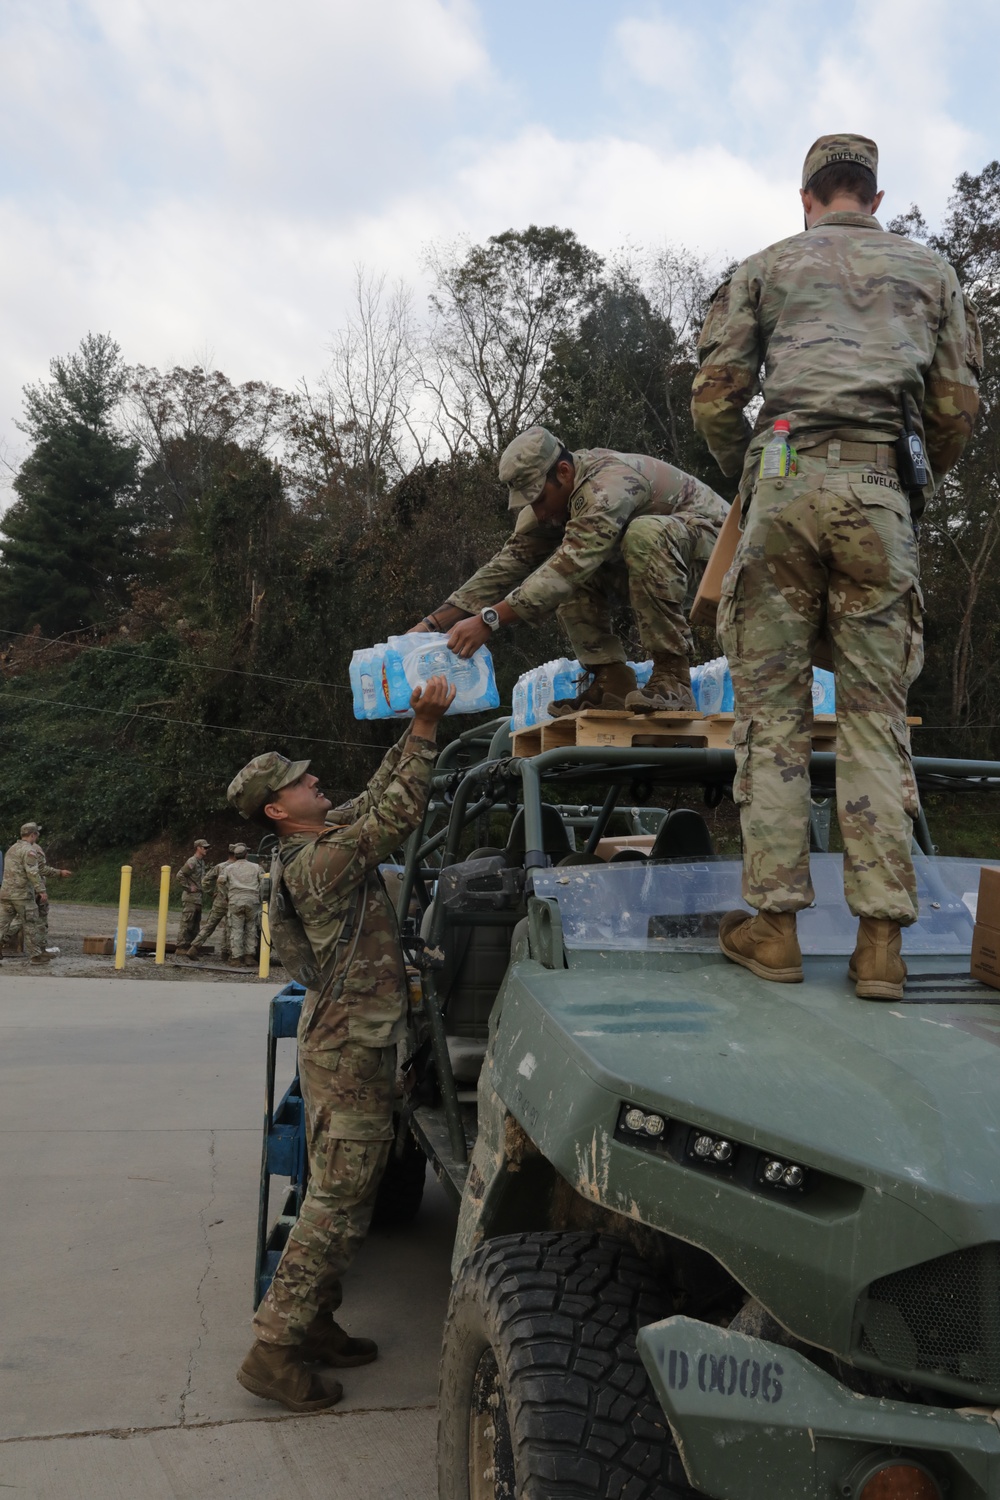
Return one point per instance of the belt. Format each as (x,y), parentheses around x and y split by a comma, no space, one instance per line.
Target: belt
(880,455)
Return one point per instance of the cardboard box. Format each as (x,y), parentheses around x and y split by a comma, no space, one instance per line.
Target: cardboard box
(705,608)
(102,945)
(985,960)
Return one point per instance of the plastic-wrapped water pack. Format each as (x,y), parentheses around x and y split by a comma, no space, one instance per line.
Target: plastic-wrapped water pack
(383,677)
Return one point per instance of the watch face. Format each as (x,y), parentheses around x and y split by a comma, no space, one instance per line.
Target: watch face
(491,617)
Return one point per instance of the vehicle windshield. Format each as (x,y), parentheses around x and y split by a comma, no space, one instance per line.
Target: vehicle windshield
(677,906)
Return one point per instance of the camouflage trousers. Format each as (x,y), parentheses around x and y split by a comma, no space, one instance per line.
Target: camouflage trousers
(190,919)
(241,923)
(216,914)
(347,1096)
(656,572)
(22,911)
(831,550)
(42,913)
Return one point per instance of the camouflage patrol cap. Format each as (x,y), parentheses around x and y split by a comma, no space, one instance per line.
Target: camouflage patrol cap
(241,848)
(202,844)
(836,148)
(27,828)
(267,773)
(525,462)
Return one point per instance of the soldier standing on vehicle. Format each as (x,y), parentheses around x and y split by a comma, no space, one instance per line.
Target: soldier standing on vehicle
(854,328)
(20,888)
(591,526)
(191,875)
(347,1036)
(212,891)
(240,883)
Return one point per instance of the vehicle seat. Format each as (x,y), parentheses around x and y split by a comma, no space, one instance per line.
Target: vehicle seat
(555,836)
(684,834)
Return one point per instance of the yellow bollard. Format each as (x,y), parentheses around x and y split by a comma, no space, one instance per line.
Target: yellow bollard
(161,916)
(264,968)
(123,899)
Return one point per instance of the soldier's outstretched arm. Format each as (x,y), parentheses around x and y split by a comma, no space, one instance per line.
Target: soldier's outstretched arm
(729,357)
(528,545)
(951,390)
(356,807)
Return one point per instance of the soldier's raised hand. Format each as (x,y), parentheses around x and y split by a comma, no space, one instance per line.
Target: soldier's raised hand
(430,703)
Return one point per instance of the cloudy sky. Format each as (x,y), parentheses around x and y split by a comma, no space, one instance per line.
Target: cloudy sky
(201,177)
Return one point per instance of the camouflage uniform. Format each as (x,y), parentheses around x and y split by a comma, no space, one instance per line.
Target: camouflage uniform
(637,528)
(19,891)
(239,883)
(347,1045)
(844,318)
(41,903)
(191,875)
(212,891)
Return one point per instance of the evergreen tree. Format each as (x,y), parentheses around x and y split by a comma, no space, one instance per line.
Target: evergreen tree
(68,551)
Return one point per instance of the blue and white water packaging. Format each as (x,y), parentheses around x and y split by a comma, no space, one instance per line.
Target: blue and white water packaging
(383,677)
(713,687)
(133,937)
(824,691)
(564,677)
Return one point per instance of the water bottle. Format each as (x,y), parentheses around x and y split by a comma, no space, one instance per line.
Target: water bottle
(133,937)
(384,677)
(779,459)
(824,694)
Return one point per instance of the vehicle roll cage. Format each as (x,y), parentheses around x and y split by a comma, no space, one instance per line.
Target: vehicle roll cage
(479,762)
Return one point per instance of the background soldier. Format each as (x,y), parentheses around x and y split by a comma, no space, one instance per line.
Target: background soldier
(240,882)
(211,890)
(348,1031)
(591,526)
(849,324)
(191,874)
(19,890)
(41,897)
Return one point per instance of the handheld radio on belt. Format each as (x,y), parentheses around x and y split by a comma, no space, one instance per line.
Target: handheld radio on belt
(911,462)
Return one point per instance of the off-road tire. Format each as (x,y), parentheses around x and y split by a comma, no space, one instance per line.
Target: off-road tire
(540,1379)
(401,1190)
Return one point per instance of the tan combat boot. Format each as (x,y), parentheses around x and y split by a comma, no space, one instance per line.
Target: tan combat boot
(611,686)
(876,968)
(669,688)
(235,963)
(275,1372)
(40,958)
(766,944)
(326,1343)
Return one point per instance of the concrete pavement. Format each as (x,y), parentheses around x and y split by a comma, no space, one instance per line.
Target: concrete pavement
(130,1122)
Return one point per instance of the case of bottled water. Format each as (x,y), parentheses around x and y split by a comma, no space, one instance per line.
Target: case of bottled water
(534,691)
(383,677)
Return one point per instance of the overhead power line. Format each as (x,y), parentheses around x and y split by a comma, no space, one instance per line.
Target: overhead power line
(172,661)
(124,713)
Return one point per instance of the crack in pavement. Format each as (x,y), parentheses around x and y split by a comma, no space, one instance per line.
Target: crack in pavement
(198,1298)
(121,1433)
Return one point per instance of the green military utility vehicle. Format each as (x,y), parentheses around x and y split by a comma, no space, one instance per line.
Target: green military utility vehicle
(716,1236)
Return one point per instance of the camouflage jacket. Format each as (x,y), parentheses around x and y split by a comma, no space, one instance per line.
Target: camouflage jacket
(22,871)
(844,318)
(241,879)
(541,566)
(325,876)
(191,875)
(210,883)
(45,869)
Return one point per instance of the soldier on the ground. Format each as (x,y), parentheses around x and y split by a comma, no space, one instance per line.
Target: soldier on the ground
(41,900)
(191,874)
(851,326)
(212,891)
(22,887)
(350,1025)
(593,526)
(240,882)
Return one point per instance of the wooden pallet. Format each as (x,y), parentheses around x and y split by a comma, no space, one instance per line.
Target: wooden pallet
(605,727)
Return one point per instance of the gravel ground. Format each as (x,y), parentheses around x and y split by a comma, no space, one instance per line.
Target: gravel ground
(70,922)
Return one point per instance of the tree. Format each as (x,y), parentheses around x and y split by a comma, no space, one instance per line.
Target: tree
(496,314)
(68,552)
(961,529)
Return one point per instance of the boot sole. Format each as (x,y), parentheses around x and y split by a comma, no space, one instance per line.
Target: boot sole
(661,706)
(613,705)
(790,975)
(874,989)
(268,1393)
(338,1362)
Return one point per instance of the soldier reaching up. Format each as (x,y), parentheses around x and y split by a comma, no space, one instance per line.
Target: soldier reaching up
(350,1025)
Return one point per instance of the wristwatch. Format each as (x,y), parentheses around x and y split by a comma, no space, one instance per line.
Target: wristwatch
(490,617)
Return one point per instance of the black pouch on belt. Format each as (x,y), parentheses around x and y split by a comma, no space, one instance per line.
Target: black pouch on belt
(911,463)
